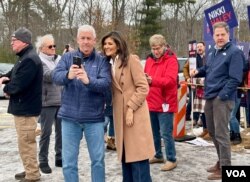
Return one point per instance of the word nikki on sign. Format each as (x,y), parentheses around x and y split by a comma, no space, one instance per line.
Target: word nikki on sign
(218,12)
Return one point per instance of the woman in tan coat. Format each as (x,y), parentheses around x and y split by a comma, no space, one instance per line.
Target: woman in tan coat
(133,131)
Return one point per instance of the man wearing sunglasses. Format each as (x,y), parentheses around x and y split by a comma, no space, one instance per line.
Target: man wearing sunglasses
(24,88)
(51,101)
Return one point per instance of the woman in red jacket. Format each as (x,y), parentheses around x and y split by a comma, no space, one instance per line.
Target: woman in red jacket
(161,70)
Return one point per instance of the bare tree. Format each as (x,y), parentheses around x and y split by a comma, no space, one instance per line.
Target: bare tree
(180,20)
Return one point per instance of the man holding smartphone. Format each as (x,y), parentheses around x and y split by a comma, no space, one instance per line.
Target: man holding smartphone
(83,104)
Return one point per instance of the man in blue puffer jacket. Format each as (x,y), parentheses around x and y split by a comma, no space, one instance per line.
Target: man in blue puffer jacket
(223,74)
(82,106)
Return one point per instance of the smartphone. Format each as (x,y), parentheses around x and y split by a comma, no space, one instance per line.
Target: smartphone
(77,61)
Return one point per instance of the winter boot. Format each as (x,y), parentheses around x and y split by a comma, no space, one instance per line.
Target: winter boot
(237,139)
(111,143)
(203,133)
(232,136)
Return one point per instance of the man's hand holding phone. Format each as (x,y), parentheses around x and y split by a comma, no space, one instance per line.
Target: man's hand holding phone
(77,71)
(73,71)
(75,68)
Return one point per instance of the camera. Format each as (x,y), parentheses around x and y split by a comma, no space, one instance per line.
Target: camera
(77,61)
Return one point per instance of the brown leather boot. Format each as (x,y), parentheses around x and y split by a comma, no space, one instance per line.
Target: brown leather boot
(207,137)
(214,168)
(111,143)
(215,176)
(204,132)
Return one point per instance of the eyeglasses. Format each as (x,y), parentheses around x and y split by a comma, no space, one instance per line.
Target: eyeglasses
(50,46)
(14,40)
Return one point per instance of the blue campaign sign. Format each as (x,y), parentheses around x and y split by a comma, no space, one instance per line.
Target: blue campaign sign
(207,36)
(245,47)
(222,11)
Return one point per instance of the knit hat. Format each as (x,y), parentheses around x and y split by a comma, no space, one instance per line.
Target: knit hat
(23,34)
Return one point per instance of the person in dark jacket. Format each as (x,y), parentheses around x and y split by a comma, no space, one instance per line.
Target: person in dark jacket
(24,88)
(223,73)
(198,101)
(51,101)
(82,107)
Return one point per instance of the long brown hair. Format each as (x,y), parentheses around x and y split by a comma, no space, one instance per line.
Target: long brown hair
(122,48)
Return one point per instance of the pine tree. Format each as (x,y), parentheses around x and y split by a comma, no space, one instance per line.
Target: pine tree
(149,24)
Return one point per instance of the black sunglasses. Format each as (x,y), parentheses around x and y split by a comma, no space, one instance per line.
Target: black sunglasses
(50,47)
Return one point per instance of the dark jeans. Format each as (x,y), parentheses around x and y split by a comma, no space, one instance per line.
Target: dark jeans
(135,171)
(196,116)
(189,105)
(47,118)
(203,119)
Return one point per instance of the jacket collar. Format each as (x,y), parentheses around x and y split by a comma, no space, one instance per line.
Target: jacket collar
(228,44)
(24,50)
(91,56)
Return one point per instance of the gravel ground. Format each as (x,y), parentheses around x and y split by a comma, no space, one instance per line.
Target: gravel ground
(192,160)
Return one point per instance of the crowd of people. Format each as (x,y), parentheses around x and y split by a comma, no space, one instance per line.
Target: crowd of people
(111,84)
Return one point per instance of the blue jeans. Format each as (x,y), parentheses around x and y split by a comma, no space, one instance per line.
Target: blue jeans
(72,134)
(109,123)
(233,122)
(162,126)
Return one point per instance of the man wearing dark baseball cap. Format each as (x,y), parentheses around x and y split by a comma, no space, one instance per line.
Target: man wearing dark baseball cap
(25,91)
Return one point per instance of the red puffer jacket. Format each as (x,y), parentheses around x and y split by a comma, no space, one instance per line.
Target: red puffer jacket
(163,89)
